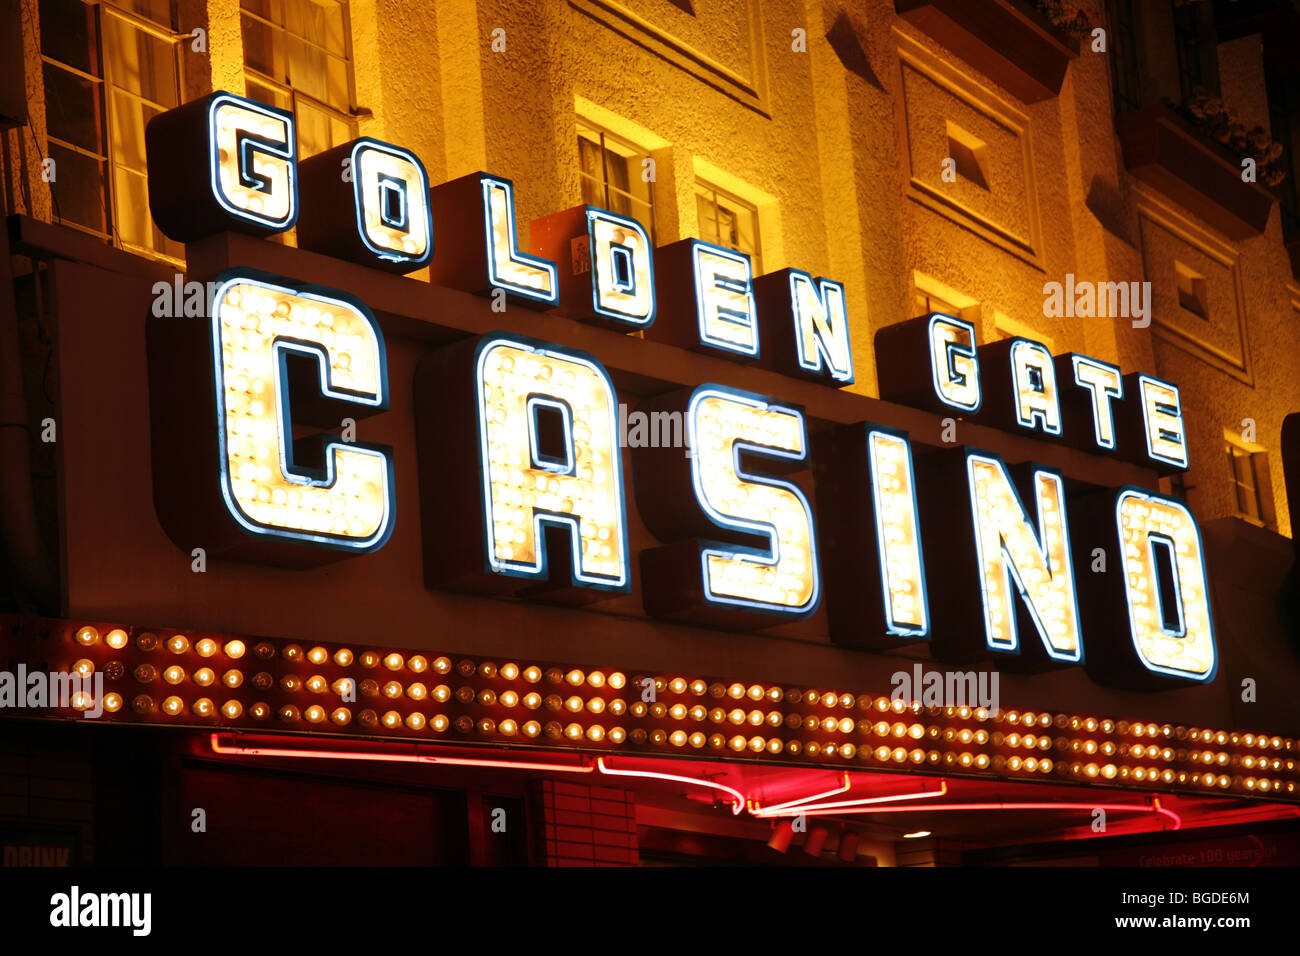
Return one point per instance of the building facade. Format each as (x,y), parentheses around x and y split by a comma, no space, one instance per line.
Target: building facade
(1034,171)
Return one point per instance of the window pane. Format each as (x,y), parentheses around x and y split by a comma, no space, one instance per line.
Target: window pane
(727,221)
(268,95)
(267,9)
(140,62)
(300,17)
(78,188)
(130,116)
(337,93)
(135,226)
(616,169)
(306,67)
(592,193)
(66,33)
(589,159)
(72,111)
(316,129)
(260,49)
(708,216)
(161,12)
(334,34)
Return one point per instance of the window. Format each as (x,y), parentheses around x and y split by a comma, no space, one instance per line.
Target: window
(923,303)
(297,56)
(1125,72)
(1197,47)
(610,171)
(1284,123)
(1249,478)
(107,69)
(728,221)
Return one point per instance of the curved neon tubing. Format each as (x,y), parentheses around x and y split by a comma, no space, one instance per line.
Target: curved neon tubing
(844,787)
(859,802)
(737,798)
(220,748)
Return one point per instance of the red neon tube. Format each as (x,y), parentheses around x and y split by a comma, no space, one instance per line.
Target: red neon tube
(220,748)
(737,798)
(941,807)
(781,810)
(842,788)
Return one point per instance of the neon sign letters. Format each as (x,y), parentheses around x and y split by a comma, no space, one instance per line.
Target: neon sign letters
(522,485)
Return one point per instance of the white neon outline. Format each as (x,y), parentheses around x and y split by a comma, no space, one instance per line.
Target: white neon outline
(390,184)
(534,455)
(1101,399)
(1167,543)
(376,400)
(891,625)
(772,556)
(488,183)
(539,568)
(822,289)
(971,352)
(388,255)
(1009,569)
(1048,371)
(595,213)
(751,322)
(290,156)
(1143,381)
(1142,495)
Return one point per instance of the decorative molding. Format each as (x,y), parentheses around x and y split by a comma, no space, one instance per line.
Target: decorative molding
(1025,244)
(1154,210)
(750,88)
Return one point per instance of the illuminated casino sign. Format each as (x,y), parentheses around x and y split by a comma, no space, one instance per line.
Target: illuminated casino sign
(523,488)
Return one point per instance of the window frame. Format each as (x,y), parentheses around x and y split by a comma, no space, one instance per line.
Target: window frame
(293,94)
(755,256)
(1258,489)
(1126,58)
(105,86)
(601,137)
